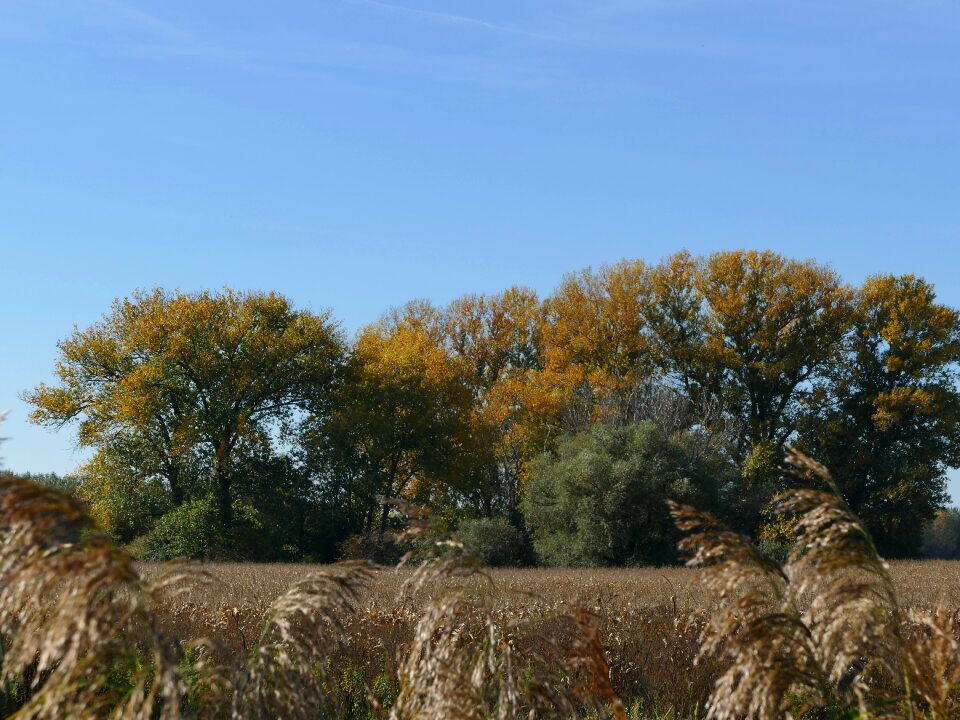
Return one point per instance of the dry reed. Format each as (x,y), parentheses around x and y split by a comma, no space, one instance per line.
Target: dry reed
(826,630)
(75,614)
(93,647)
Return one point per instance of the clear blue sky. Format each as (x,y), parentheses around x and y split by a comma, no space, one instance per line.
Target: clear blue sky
(355,154)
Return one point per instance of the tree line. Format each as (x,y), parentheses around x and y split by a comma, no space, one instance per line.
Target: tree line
(232,424)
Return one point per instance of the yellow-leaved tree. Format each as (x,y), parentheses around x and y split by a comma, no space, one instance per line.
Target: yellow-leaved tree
(596,346)
(401,426)
(886,420)
(748,333)
(189,383)
(496,340)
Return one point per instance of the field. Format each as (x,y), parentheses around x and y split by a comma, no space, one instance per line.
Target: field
(919,583)
(649,619)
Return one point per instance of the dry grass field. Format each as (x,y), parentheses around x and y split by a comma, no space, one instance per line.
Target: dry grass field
(919,583)
(650,619)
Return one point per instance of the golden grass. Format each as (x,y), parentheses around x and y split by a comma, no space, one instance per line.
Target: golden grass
(649,619)
(646,618)
(251,587)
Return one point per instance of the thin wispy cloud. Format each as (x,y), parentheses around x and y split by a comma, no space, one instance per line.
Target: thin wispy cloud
(139,19)
(167,40)
(354,63)
(454,19)
(172,42)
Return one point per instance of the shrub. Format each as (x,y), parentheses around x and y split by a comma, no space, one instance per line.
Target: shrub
(122,502)
(775,550)
(601,499)
(190,530)
(193,530)
(494,542)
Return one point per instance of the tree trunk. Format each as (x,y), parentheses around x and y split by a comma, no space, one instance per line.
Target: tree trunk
(391,479)
(368,523)
(224,502)
(224,477)
(176,490)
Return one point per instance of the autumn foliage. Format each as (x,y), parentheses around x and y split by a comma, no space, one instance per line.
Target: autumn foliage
(293,436)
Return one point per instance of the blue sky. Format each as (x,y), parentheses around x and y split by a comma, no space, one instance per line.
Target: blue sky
(355,154)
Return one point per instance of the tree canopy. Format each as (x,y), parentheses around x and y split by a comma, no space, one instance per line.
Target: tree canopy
(886,417)
(182,386)
(265,418)
(601,498)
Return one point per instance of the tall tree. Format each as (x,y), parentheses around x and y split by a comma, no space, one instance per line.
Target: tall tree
(401,425)
(199,376)
(676,320)
(887,420)
(496,341)
(745,336)
(752,328)
(773,324)
(596,345)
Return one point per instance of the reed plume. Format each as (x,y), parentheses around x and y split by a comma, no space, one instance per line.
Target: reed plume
(933,662)
(467,661)
(755,627)
(79,633)
(854,616)
(826,629)
(289,674)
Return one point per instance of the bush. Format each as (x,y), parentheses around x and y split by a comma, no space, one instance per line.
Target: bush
(494,542)
(601,499)
(193,530)
(122,503)
(190,530)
